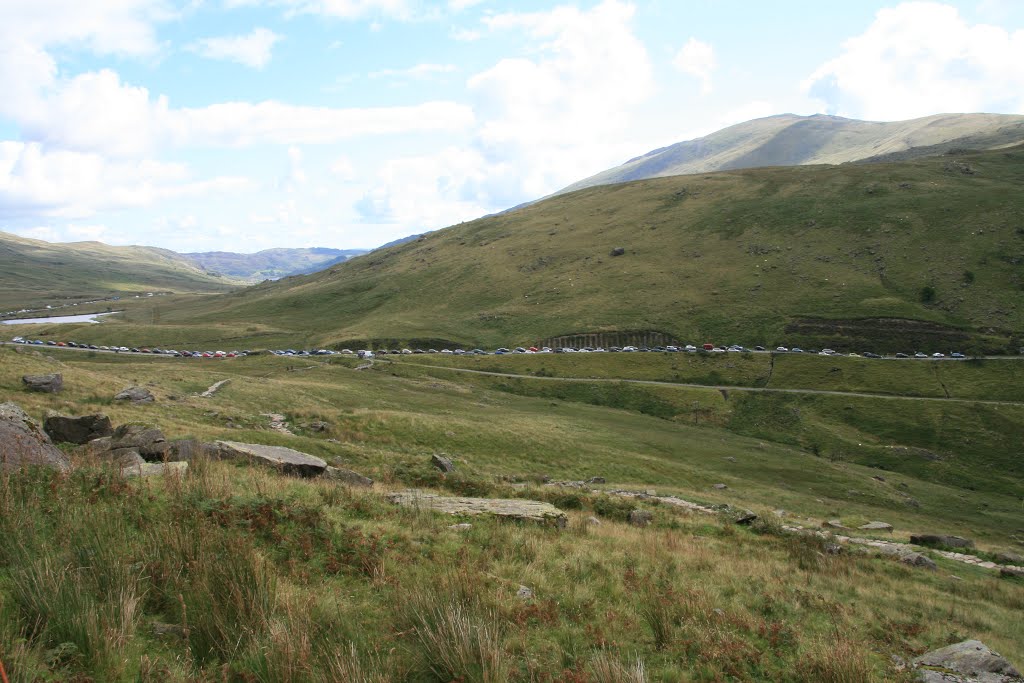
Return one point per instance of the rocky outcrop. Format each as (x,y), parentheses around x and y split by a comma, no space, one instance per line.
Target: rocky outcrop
(149,442)
(283,459)
(442,463)
(24,443)
(970,661)
(532,510)
(640,518)
(155,469)
(939,540)
(347,477)
(876,526)
(49,384)
(135,395)
(77,430)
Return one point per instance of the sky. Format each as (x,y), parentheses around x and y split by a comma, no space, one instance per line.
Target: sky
(240,125)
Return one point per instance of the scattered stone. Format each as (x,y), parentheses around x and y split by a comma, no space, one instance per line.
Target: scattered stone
(596,480)
(651,492)
(593,521)
(442,463)
(135,395)
(532,510)
(464,526)
(278,423)
(23,442)
(955,577)
(1009,558)
(1011,572)
(214,388)
(49,384)
(876,526)
(918,560)
(720,487)
(967,662)
(719,611)
(155,469)
(347,476)
(319,426)
(524,593)
(77,430)
(617,251)
(746,517)
(833,549)
(285,460)
(833,524)
(933,540)
(878,478)
(640,518)
(730,458)
(898,662)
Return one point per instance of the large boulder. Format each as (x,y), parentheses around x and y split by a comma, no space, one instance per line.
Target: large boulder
(135,395)
(150,442)
(967,662)
(939,540)
(283,459)
(640,518)
(442,463)
(49,384)
(187,450)
(347,477)
(23,442)
(77,430)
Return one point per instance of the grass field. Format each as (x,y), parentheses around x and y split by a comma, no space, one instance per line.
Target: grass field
(323,583)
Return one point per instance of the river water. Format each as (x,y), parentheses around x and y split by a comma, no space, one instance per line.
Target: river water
(84,318)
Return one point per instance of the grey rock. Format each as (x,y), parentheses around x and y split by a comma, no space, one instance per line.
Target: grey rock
(746,517)
(187,450)
(730,458)
(833,524)
(970,661)
(442,463)
(49,384)
(1009,558)
(640,518)
(617,251)
(720,487)
(876,526)
(77,430)
(135,395)
(935,540)
(1011,572)
(347,476)
(464,526)
(23,442)
(596,480)
(917,560)
(511,508)
(283,459)
(125,457)
(155,469)
(593,521)
(319,426)
(149,441)
(833,549)
(524,593)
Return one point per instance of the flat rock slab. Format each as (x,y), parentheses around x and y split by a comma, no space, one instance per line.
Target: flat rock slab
(49,384)
(876,526)
(155,469)
(933,540)
(135,395)
(286,460)
(511,508)
(967,662)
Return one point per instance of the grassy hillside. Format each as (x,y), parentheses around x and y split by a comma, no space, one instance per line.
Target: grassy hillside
(34,273)
(271,264)
(920,255)
(790,140)
(234,573)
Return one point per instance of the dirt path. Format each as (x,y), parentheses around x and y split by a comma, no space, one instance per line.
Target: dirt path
(278,423)
(214,388)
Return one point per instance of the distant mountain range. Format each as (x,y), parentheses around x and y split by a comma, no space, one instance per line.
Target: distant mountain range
(271,264)
(791,140)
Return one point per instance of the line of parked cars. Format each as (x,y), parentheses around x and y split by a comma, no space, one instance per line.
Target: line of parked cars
(133,349)
(366,353)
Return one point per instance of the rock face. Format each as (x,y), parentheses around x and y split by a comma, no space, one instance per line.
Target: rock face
(149,442)
(876,526)
(967,662)
(185,450)
(135,395)
(77,430)
(49,384)
(23,442)
(933,540)
(531,510)
(283,459)
(347,476)
(442,463)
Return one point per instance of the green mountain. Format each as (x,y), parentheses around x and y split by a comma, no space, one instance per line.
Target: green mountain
(924,254)
(271,264)
(790,140)
(35,273)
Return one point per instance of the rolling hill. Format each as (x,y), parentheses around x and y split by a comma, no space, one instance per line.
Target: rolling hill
(923,254)
(35,273)
(271,264)
(790,140)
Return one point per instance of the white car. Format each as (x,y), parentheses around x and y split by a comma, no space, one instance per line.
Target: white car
(690,348)
(782,349)
(938,355)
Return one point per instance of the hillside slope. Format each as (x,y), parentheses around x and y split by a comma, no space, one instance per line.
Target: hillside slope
(927,253)
(790,140)
(35,273)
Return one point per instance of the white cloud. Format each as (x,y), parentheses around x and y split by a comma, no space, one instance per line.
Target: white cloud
(252,49)
(922,58)
(697,59)
(461,5)
(76,184)
(341,9)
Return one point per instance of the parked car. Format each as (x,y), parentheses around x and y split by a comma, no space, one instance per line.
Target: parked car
(902,355)
(957,354)
(782,349)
